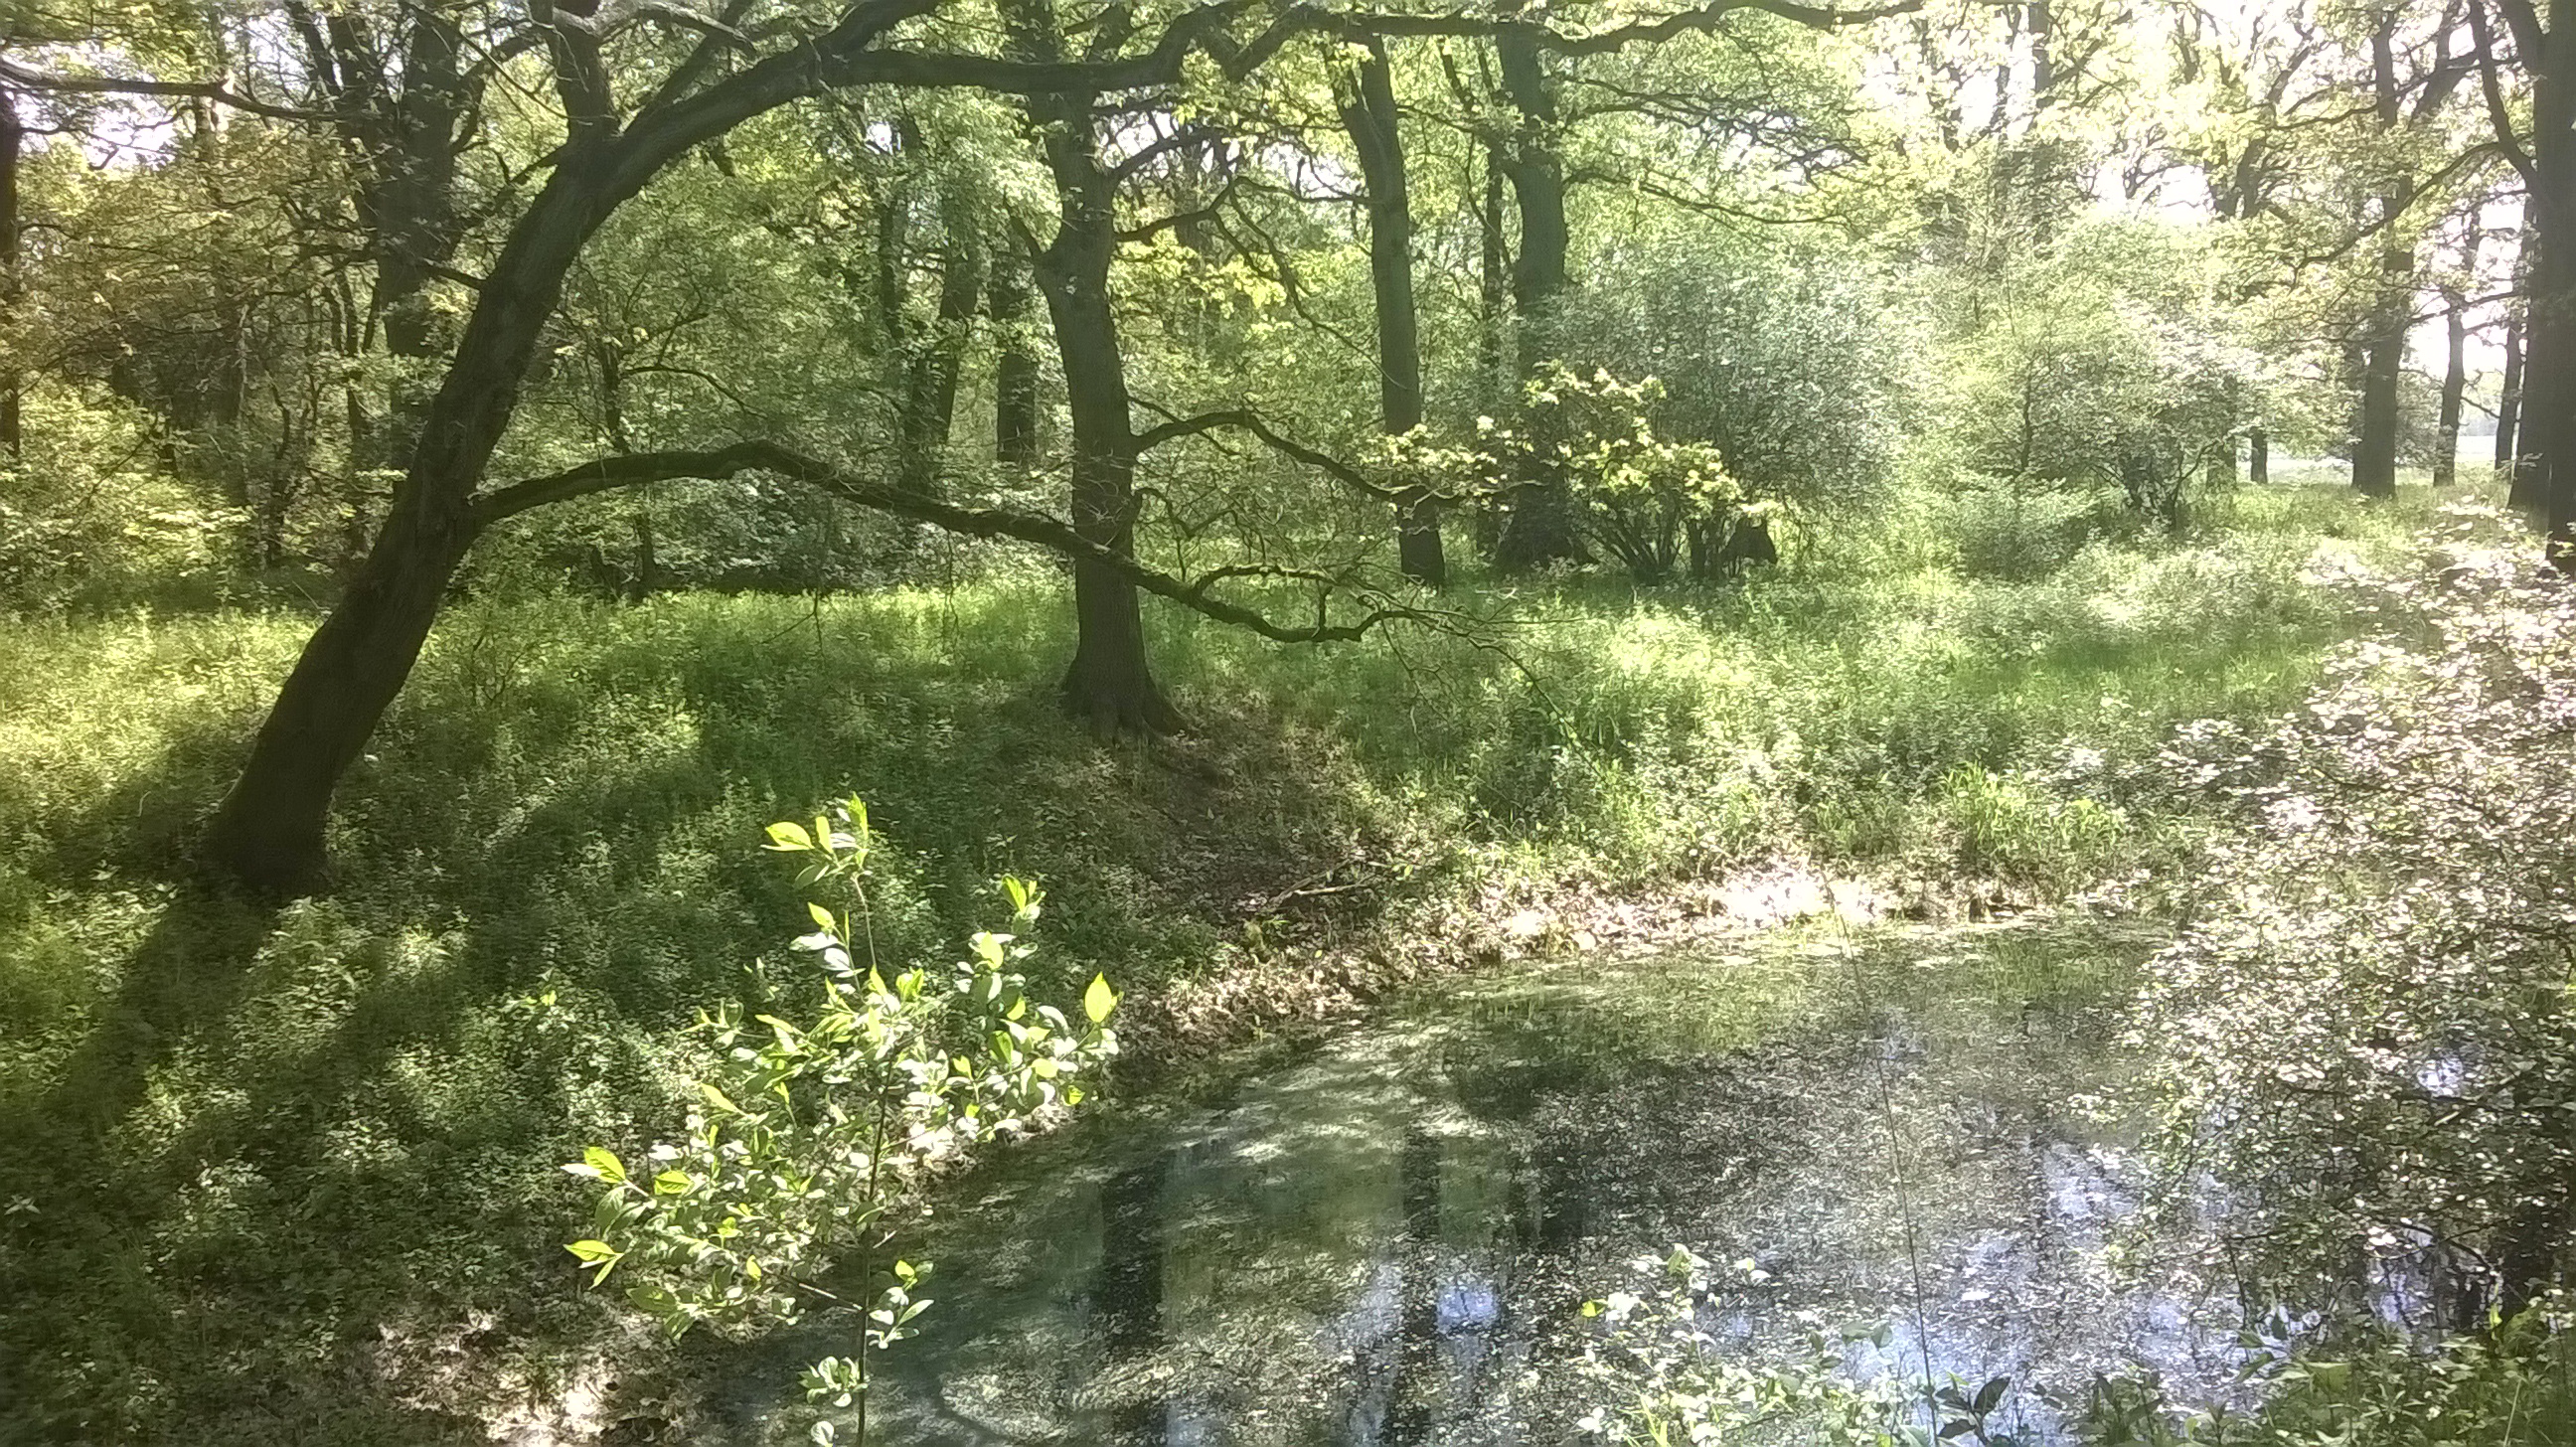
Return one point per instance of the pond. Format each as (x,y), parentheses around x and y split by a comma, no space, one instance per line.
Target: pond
(1387,1240)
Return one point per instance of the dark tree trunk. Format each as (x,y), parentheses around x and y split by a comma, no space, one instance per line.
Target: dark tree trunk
(13,136)
(1110,681)
(2455,383)
(1493,283)
(2547,447)
(268,832)
(2258,455)
(2043,62)
(2383,358)
(2383,348)
(930,386)
(891,203)
(1540,527)
(2509,399)
(407,201)
(1015,364)
(1369,114)
(2547,464)
(2455,371)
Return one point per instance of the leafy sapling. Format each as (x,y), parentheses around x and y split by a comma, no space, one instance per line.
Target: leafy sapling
(809,1139)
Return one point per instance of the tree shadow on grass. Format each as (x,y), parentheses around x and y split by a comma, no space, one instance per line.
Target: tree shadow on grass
(296,1181)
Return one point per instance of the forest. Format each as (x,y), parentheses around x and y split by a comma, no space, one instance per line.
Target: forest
(1362,722)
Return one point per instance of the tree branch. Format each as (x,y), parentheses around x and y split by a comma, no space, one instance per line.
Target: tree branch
(212,90)
(635,469)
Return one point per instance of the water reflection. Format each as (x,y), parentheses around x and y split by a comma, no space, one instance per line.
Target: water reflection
(1383,1245)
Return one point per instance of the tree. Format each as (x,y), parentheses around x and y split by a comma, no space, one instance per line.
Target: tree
(635,90)
(2382,345)
(1369,114)
(2541,149)
(1110,681)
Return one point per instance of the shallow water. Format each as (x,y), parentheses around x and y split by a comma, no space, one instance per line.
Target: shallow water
(1386,1242)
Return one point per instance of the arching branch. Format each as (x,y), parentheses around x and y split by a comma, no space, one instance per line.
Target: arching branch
(634,469)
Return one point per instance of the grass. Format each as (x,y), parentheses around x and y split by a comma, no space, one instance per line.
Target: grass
(289,1176)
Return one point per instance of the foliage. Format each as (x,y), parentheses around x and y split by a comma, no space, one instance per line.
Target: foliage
(1665,1382)
(1788,359)
(2105,362)
(86,519)
(1635,492)
(2507,1385)
(2365,1028)
(807,1139)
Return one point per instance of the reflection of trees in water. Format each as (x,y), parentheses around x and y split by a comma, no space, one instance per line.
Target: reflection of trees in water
(1127,1295)
(1374,1248)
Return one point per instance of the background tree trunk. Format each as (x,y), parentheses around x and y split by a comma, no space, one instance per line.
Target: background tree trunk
(1540,527)
(2509,400)
(13,137)
(2455,371)
(2548,422)
(930,383)
(1015,364)
(2258,455)
(2455,382)
(2383,359)
(1369,114)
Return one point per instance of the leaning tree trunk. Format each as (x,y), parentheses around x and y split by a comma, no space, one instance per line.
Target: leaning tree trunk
(268,832)
(1540,527)
(1369,114)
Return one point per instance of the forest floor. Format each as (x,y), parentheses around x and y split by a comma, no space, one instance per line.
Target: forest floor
(290,1175)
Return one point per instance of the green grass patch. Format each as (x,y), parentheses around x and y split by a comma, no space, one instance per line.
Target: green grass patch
(290,1176)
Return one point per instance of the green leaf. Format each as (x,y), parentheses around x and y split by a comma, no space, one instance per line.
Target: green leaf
(604,1164)
(716,1098)
(789,837)
(1099,1000)
(599,1252)
(823,919)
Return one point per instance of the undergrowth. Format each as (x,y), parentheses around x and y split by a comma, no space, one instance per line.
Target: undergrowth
(289,1175)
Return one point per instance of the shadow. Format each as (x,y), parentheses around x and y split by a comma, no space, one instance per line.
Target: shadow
(295,1178)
